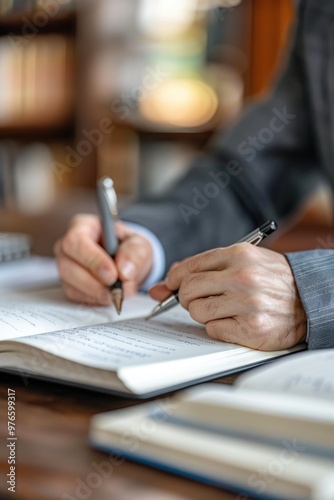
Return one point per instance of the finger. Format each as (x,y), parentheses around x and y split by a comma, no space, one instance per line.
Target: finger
(87,223)
(212,308)
(130,288)
(81,280)
(229,330)
(123,231)
(200,285)
(82,298)
(159,292)
(134,259)
(217,259)
(79,246)
(237,331)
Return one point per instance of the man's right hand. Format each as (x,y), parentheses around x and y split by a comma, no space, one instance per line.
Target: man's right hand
(86,270)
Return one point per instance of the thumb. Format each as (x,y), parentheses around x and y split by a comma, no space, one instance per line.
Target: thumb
(159,291)
(134,258)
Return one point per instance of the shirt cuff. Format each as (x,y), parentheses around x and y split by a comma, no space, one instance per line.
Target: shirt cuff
(159,256)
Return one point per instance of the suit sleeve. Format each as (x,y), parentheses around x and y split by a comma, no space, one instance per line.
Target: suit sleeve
(263,167)
(314,274)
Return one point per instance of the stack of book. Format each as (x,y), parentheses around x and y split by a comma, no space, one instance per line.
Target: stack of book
(270,436)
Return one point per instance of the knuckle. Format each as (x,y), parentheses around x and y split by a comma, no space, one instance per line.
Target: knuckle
(187,284)
(232,251)
(212,330)
(75,246)
(192,310)
(189,279)
(195,311)
(185,292)
(204,310)
(211,308)
(237,250)
(195,263)
(241,276)
(254,278)
(62,268)
(173,269)
(258,322)
(245,250)
(70,243)
(255,302)
(93,263)
(139,247)
(248,277)
(209,259)
(217,252)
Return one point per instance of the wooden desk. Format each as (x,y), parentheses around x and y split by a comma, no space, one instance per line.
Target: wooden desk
(52,454)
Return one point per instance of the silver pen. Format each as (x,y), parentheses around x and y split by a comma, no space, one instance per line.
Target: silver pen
(254,238)
(107,202)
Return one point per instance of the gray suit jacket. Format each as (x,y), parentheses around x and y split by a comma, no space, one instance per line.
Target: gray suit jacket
(264,167)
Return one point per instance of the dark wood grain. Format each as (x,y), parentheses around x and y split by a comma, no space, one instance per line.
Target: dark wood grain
(54,457)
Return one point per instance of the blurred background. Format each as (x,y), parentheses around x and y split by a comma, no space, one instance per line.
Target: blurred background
(132,89)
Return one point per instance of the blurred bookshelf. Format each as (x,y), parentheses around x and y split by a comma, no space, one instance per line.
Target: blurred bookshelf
(36,84)
(39,49)
(133,89)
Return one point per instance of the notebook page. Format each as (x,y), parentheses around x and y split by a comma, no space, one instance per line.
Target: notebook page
(111,346)
(48,311)
(308,374)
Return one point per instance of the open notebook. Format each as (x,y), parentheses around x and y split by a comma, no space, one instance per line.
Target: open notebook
(270,436)
(44,335)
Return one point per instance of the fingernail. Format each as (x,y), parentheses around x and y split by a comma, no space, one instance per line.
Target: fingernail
(128,270)
(160,283)
(107,276)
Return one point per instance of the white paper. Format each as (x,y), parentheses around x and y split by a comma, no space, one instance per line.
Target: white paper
(308,374)
(134,342)
(35,313)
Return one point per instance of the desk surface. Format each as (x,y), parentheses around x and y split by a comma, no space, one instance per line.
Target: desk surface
(53,457)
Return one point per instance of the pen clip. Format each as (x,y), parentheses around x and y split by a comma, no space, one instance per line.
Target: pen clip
(256,239)
(110,194)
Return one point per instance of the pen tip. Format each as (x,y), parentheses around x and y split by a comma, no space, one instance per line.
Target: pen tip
(118,305)
(153,313)
(117,297)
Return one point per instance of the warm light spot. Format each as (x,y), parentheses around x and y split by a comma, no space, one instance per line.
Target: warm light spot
(166,18)
(181,103)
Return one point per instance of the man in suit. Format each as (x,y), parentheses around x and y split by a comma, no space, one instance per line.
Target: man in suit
(263,167)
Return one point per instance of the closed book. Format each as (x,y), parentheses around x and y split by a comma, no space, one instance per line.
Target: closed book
(269,437)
